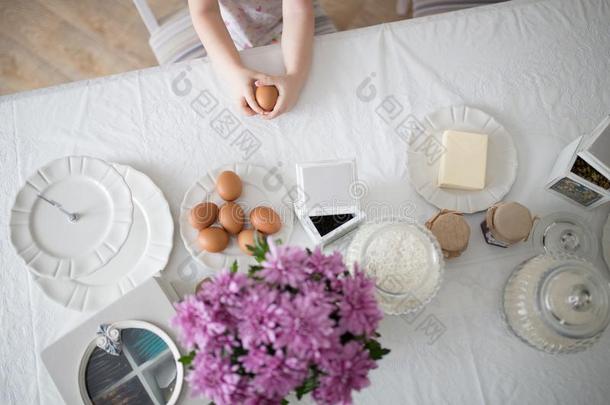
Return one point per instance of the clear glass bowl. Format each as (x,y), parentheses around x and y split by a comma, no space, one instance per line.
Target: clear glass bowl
(564,233)
(557,303)
(405,260)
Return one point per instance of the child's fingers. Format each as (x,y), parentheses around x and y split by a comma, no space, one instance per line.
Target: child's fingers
(246,108)
(278,109)
(264,80)
(252,101)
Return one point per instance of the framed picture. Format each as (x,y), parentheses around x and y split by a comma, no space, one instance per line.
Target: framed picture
(146,370)
(576,192)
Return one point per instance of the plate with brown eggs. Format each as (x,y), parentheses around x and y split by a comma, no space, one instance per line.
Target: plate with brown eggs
(223,211)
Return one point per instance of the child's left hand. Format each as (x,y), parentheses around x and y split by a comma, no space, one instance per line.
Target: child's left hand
(289,87)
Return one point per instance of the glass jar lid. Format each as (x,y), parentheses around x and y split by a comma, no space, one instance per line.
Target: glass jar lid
(573,299)
(564,233)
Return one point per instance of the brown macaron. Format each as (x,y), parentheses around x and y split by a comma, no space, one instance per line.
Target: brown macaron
(452,232)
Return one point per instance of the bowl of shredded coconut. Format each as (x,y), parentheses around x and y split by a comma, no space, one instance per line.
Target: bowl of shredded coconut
(404,259)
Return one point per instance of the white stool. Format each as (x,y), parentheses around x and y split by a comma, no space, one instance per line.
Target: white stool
(174,39)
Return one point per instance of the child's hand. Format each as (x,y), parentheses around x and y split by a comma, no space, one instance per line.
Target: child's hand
(289,87)
(241,81)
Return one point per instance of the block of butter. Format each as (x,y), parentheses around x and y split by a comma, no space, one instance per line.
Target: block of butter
(464,163)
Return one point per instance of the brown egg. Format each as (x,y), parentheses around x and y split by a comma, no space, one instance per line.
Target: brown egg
(231,217)
(213,239)
(229,185)
(203,215)
(266,97)
(266,220)
(246,238)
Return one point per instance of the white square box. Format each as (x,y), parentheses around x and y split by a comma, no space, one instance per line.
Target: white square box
(581,173)
(326,203)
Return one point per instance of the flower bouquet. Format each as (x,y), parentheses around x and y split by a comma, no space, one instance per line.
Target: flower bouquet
(297,322)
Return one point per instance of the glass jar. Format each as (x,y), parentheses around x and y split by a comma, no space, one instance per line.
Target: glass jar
(405,260)
(557,303)
(564,233)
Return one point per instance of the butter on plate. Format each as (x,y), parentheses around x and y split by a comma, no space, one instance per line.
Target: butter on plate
(464,162)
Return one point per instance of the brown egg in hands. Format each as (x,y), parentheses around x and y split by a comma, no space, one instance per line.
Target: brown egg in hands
(203,215)
(231,217)
(265,220)
(266,97)
(229,185)
(247,238)
(213,239)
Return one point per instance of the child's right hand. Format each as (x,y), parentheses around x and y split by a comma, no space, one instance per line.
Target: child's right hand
(242,81)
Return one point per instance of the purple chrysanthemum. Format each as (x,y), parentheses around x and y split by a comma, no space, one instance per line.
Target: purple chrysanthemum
(257,338)
(359,312)
(216,378)
(284,265)
(329,266)
(197,322)
(225,289)
(260,316)
(345,369)
(307,327)
(275,375)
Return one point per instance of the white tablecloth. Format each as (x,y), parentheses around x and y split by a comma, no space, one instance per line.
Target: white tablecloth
(540,67)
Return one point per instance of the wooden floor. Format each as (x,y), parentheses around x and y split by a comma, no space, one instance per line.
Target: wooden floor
(48,42)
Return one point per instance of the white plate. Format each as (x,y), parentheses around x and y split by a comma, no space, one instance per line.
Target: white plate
(606,242)
(260,187)
(145,252)
(501,160)
(47,241)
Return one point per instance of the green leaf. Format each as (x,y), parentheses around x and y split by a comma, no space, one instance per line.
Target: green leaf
(309,384)
(187,359)
(253,270)
(376,351)
(284,401)
(260,248)
(234,267)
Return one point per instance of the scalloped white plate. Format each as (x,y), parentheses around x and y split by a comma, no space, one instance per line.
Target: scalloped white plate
(260,187)
(606,242)
(502,160)
(143,255)
(52,246)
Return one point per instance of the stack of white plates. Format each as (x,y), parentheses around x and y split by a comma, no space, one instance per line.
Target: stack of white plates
(121,234)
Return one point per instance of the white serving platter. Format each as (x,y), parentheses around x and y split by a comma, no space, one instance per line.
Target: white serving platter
(49,243)
(502,160)
(143,255)
(260,187)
